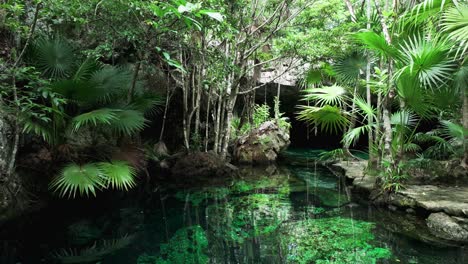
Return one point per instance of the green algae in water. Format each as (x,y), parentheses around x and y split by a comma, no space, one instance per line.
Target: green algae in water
(331,240)
(187,246)
(197,197)
(248,216)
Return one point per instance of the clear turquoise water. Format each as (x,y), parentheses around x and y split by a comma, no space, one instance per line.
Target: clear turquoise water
(298,212)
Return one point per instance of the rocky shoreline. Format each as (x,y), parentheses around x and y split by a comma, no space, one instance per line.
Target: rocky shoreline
(444,208)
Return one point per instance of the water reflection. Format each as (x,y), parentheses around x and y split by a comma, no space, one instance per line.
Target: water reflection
(288,214)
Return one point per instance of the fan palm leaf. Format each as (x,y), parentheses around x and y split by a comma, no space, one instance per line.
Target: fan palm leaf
(128,122)
(453,131)
(327,95)
(376,43)
(414,96)
(428,59)
(86,70)
(103,116)
(327,118)
(82,179)
(403,118)
(352,136)
(350,67)
(364,108)
(54,57)
(108,82)
(455,21)
(118,174)
(148,103)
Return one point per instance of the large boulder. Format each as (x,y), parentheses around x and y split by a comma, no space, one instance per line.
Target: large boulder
(262,145)
(447,227)
(200,164)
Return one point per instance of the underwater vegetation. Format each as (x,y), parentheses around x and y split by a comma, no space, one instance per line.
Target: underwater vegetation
(188,246)
(330,240)
(275,219)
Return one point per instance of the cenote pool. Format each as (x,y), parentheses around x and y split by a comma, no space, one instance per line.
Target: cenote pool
(297,212)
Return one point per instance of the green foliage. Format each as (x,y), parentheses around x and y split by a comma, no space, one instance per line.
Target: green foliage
(86,179)
(187,246)
(282,121)
(54,57)
(327,118)
(455,22)
(261,114)
(393,177)
(332,155)
(118,175)
(248,216)
(196,198)
(331,240)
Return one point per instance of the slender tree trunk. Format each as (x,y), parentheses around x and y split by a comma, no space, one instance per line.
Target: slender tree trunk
(351,10)
(368,90)
(465,125)
(278,94)
(387,102)
(207,120)
(217,124)
(131,91)
(166,107)
(229,108)
(16,138)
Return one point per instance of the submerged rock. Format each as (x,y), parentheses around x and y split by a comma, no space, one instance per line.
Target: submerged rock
(262,145)
(451,228)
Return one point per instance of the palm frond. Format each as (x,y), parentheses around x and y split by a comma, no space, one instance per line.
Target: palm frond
(366,110)
(109,81)
(39,128)
(332,155)
(453,131)
(403,118)
(328,118)
(414,96)
(411,148)
(376,43)
(103,116)
(352,137)
(350,67)
(82,179)
(128,122)
(455,21)
(428,59)
(86,70)
(55,57)
(118,174)
(327,95)
(148,103)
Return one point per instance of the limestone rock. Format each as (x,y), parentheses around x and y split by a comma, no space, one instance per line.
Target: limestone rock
(444,226)
(262,145)
(199,164)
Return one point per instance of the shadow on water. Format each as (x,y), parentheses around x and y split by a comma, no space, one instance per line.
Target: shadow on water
(298,212)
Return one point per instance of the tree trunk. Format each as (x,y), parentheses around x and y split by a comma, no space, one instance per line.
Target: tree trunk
(465,125)
(370,120)
(166,106)
(387,102)
(351,10)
